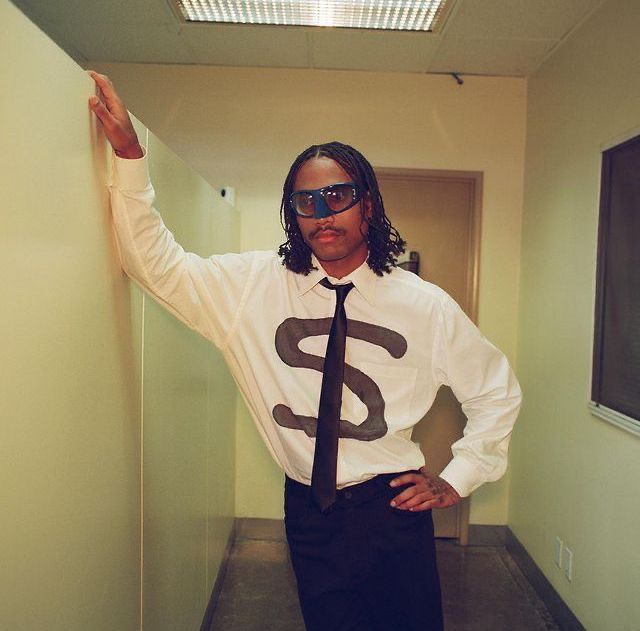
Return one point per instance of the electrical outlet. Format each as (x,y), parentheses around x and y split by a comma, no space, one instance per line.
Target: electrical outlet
(567,562)
(557,551)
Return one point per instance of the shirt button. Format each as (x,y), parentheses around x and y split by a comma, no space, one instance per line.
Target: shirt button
(347,495)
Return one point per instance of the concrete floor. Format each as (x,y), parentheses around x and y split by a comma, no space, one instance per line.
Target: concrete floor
(483,589)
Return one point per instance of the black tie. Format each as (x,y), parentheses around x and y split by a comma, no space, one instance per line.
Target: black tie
(325,459)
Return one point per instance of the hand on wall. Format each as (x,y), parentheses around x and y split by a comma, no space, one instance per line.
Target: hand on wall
(113,115)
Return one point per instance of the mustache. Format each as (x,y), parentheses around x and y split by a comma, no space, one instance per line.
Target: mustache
(318,231)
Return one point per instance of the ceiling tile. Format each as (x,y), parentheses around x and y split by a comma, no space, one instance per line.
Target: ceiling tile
(491,37)
(509,57)
(372,50)
(518,19)
(111,12)
(124,43)
(227,44)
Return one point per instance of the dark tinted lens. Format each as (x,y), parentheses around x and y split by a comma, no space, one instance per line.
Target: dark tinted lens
(303,204)
(339,196)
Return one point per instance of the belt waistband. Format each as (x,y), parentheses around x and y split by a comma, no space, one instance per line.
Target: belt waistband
(355,493)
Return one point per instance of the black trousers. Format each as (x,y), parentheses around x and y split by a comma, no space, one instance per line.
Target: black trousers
(364,565)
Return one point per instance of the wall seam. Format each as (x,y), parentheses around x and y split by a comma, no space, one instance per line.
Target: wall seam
(144,302)
(142,465)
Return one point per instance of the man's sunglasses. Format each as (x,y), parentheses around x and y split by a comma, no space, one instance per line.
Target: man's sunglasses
(325,201)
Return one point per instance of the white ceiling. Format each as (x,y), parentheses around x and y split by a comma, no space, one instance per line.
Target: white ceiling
(481,37)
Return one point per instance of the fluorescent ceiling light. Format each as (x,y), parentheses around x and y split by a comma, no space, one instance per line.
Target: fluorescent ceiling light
(397,15)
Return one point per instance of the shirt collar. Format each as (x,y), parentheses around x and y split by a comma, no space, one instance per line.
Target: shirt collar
(363,279)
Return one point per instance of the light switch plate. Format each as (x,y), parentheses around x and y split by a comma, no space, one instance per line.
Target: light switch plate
(557,551)
(567,562)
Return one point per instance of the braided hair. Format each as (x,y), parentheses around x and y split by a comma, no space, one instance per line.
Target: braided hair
(383,240)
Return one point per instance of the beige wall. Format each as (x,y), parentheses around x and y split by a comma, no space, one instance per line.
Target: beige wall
(84,360)
(244,126)
(69,415)
(573,475)
(189,402)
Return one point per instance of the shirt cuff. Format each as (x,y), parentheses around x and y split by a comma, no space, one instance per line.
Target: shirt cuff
(131,174)
(462,475)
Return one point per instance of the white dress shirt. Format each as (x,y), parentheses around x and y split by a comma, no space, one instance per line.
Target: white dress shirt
(406,338)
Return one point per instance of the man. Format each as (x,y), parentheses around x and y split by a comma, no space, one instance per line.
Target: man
(358,499)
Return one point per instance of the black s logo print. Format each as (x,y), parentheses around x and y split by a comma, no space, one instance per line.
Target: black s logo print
(293,330)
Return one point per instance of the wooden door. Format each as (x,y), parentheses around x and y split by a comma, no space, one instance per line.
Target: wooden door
(438,214)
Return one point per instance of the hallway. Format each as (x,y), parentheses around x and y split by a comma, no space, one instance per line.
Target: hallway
(129,456)
(483,589)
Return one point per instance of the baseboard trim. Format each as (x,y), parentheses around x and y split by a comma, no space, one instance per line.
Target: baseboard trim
(260,528)
(481,535)
(563,616)
(207,621)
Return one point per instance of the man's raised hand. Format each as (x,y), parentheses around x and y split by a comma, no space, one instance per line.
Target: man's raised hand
(427,491)
(114,117)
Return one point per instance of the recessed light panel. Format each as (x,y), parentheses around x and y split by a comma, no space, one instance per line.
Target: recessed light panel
(396,15)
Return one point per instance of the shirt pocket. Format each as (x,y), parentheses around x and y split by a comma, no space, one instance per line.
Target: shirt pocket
(397,386)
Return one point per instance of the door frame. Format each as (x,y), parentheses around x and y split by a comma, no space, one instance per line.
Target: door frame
(475,179)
